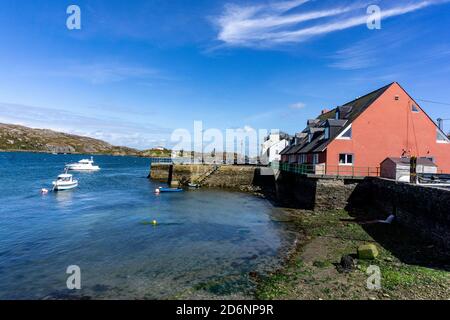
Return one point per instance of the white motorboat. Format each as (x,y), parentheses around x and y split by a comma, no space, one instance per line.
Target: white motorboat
(65,182)
(83,165)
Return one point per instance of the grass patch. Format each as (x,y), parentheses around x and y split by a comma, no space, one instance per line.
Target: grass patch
(322,264)
(408,277)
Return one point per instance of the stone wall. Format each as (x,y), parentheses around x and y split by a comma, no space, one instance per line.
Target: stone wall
(424,209)
(159,172)
(227,176)
(232,177)
(317,194)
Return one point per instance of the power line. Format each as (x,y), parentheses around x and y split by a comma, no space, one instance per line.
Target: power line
(435,102)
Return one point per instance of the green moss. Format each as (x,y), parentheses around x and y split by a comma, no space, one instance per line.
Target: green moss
(274,287)
(407,276)
(339,237)
(322,264)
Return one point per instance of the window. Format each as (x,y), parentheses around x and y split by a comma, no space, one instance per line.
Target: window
(346,159)
(414,108)
(315,158)
(441,138)
(338,115)
(431,158)
(310,136)
(327,133)
(302,158)
(346,134)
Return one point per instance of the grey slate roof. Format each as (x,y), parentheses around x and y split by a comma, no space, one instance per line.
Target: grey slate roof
(348,113)
(336,123)
(406,161)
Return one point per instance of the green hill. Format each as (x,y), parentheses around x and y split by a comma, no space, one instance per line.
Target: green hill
(20,138)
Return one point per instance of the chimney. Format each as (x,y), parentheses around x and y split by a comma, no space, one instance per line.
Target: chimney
(324,111)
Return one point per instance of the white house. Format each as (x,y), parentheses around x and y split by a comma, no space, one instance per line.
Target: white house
(273,144)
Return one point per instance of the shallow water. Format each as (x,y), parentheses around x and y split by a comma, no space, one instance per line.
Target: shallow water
(205,245)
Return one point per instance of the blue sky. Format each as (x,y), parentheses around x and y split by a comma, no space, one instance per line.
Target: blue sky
(139,69)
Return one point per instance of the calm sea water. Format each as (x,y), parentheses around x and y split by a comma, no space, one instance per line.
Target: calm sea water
(206,244)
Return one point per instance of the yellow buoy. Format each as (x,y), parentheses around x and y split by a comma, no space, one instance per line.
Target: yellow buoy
(154,222)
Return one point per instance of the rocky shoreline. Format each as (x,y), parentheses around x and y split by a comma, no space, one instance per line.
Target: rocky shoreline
(313,269)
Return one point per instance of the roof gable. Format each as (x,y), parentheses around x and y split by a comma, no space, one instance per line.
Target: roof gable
(350,111)
(353,110)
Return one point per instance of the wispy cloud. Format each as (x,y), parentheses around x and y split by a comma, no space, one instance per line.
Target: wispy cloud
(353,58)
(297,106)
(366,53)
(103,72)
(113,130)
(272,24)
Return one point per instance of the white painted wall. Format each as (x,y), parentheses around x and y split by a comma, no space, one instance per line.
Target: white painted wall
(271,148)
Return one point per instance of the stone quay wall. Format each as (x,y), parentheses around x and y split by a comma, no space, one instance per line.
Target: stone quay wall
(226,176)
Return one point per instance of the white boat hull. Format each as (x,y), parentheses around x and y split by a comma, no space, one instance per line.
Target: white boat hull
(82,168)
(58,186)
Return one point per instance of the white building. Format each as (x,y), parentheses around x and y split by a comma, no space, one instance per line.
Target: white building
(273,145)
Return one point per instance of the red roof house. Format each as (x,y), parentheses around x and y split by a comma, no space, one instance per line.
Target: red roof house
(356,137)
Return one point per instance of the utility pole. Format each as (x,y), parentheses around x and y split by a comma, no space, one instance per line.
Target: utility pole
(203,154)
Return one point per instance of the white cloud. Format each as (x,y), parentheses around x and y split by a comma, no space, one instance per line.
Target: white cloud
(272,24)
(103,72)
(297,106)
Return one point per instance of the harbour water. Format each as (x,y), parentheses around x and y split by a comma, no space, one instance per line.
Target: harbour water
(205,245)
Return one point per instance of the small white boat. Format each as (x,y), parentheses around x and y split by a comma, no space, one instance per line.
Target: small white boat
(65,182)
(83,165)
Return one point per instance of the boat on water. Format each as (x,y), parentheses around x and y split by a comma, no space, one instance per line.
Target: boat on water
(194,186)
(65,182)
(83,165)
(163,190)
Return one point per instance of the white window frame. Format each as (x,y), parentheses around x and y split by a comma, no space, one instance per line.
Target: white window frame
(346,159)
(439,132)
(302,158)
(341,135)
(315,158)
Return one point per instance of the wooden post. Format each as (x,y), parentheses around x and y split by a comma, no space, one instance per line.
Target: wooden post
(170,176)
(413,170)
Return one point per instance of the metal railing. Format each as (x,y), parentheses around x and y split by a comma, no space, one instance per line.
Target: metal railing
(328,170)
(161,160)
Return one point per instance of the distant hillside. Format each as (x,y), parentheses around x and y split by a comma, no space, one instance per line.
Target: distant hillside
(156,153)
(20,138)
